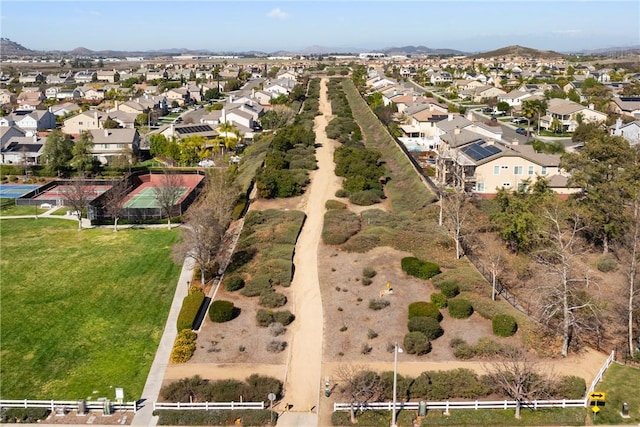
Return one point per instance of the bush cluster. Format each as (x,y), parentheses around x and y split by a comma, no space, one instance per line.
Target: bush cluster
(439,299)
(249,417)
(266,317)
(484,348)
(424,309)
(184,346)
(334,204)
(190,307)
(369,272)
(272,299)
(429,326)
(460,308)
(416,343)
(418,268)
(606,263)
(339,226)
(449,289)
(378,303)
(276,346)
(222,311)
(233,283)
(504,325)
(254,389)
(23,415)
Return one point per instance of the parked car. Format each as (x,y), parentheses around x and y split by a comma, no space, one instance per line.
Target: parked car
(521,131)
(519,120)
(487,109)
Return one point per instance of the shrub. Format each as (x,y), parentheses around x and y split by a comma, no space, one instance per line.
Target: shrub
(460,308)
(266,317)
(364,198)
(226,390)
(416,343)
(190,307)
(184,346)
(486,347)
(276,346)
(429,326)
(222,311)
(368,272)
(285,317)
(24,415)
(371,334)
(504,325)
(334,204)
(250,417)
(276,329)
(463,351)
(424,309)
(342,193)
(418,268)
(439,300)
(259,387)
(569,387)
(378,303)
(339,226)
(233,283)
(366,281)
(272,299)
(449,289)
(366,348)
(606,263)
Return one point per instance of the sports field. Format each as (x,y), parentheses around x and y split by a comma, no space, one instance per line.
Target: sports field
(58,192)
(13,191)
(82,313)
(146,198)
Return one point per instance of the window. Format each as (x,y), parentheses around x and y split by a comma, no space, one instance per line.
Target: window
(517,170)
(496,170)
(80,123)
(530,170)
(479,186)
(506,184)
(543,170)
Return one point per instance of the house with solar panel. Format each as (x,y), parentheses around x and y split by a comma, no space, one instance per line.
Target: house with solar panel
(184,130)
(483,165)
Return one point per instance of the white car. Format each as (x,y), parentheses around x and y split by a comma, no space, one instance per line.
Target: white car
(206,163)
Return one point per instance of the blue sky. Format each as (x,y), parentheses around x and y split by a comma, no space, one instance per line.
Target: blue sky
(218,25)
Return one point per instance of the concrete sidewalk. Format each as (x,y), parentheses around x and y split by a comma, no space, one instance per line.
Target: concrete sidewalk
(156,375)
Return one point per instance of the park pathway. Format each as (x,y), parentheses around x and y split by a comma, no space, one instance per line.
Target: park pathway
(303,379)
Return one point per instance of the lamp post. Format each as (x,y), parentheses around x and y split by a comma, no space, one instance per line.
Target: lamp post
(396,350)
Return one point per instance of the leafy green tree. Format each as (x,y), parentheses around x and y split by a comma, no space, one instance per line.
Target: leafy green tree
(83,161)
(375,100)
(598,169)
(212,93)
(57,150)
(192,150)
(277,117)
(533,109)
(503,106)
(142,119)
(556,125)
(110,124)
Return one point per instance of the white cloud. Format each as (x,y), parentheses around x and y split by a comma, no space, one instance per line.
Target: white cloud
(567,32)
(277,13)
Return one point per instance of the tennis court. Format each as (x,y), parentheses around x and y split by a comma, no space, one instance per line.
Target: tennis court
(59,191)
(13,191)
(146,198)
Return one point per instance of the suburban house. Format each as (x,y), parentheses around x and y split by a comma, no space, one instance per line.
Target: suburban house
(263,98)
(91,93)
(288,74)
(629,105)
(83,77)
(87,120)
(440,78)
(30,100)
(179,131)
(35,77)
(66,94)
(567,112)
(22,150)
(64,108)
(106,76)
(109,144)
(180,95)
(280,87)
(6,97)
(125,120)
(514,98)
(58,79)
(30,119)
(481,93)
(9,132)
(630,131)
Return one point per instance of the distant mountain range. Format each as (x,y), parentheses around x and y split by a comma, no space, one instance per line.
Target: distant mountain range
(9,47)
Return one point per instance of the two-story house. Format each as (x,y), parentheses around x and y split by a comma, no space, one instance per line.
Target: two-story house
(629,131)
(85,121)
(109,144)
(567,112)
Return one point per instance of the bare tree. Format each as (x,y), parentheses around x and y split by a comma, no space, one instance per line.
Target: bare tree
(495,258)
(456,207)
(566,304)
(358,384)
(77,194)
(168,193)
(114,200)
(519,376)
(631,254)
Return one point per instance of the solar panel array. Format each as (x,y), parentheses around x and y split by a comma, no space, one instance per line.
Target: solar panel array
(477,151)
(194,129)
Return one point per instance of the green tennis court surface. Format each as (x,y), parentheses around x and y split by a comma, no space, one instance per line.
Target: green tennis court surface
(146,198)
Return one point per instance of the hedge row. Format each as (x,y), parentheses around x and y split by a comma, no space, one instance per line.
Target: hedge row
(255,388)
(190,307)
(247,417)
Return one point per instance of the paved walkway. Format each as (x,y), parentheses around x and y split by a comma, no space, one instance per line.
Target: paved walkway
(156,375)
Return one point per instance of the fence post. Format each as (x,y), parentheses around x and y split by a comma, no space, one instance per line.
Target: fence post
(505,404)
(206,405)
(52,405)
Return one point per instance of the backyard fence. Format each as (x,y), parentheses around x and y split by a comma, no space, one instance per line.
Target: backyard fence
(601,372)
(71,405)
(208,406)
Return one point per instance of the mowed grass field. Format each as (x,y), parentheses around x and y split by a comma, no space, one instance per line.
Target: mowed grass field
(81,312)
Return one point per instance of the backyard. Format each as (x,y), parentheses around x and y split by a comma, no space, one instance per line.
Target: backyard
(82,312)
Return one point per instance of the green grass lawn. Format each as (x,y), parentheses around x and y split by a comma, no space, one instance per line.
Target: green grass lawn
(621,385)
(21,210)
(81,312)
(500,417)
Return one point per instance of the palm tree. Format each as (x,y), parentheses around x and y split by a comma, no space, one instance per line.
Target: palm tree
(230,135)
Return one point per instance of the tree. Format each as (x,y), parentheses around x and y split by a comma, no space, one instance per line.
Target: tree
(519,376)
(566,305)
(77,194)
(57,150)
(229,134)
(110,124)
(556,126)
(83,161)
(456,207)
(359,385)
(503,106)
(114,200)
(598,169)
(277,117)
(212,93)
(533,108)
(168,193)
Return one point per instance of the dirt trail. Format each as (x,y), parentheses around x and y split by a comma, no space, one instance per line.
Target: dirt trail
(303,383)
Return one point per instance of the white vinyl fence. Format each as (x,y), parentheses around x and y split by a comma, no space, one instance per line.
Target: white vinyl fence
(69,405)
(208,405)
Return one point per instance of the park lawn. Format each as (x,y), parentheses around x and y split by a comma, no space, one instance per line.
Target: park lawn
(81,312)
(620,383)
(21,210)
(506,417)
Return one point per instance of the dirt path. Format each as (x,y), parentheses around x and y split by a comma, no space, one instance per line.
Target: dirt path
(303,383)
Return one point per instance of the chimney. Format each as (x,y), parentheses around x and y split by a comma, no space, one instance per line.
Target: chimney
(117,105)
(591,106)
(515,141)
(173,129)
(456,131)
(450,117)
(490,142)
(95,116)
(230,99)
(470,116)
(35,138)
(618,124)
(106,133)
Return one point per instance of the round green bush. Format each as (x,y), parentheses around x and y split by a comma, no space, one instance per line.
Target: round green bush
(233,283)
(460,308)
(504,325)
(424,309)
(221,311)
(334,204)
(416,343)
(449,289)
(364,198)
(418,268)
(341,193)
(606,263)
(369,272)
(439,299)
(429,326)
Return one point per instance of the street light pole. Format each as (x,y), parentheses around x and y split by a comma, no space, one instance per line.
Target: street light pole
(397,350)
